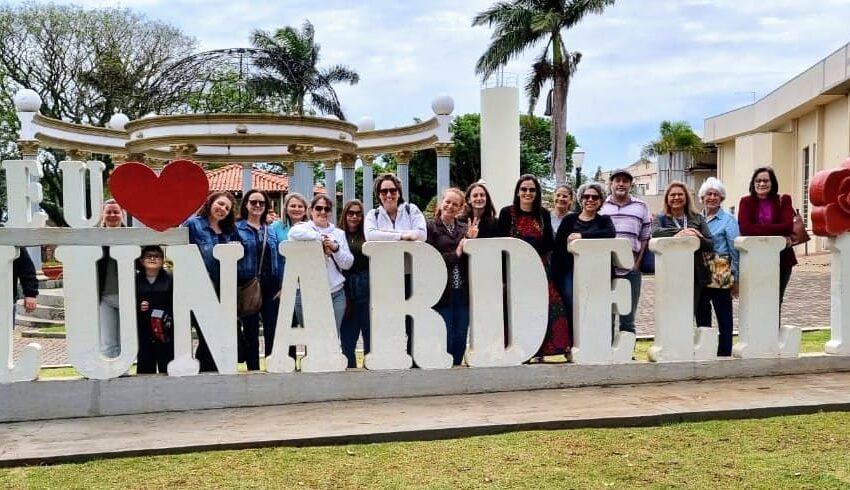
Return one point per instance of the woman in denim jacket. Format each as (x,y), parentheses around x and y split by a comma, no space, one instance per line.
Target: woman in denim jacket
(261,259)
(212,225)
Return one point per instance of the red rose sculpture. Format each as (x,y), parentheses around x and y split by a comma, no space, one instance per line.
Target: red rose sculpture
(829,192)
(164,201)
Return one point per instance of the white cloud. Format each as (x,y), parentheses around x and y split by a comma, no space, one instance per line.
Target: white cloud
(644,61)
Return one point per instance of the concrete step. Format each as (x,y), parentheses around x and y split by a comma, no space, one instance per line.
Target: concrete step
(28,321)
(52,297)
(41,311)
(49,283)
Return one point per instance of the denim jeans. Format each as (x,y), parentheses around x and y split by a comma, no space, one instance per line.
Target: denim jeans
(251,325)
(110,333)
(356,319)
(722,301)
(337,301)
(627,322)
(456,316)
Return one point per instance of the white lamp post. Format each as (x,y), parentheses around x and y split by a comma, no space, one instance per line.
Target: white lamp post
(578,160)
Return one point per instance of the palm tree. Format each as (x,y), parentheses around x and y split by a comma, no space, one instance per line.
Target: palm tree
(675,136)
(679,145)
(289,58)
(520,24)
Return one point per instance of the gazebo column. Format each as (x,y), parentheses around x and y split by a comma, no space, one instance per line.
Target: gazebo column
(444,151)
(330,186)
(247,177)
(302,174)
(368,182)
(29,151)
(403,171)
(348,160)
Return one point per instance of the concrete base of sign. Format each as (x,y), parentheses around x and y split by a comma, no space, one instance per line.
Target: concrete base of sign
(55,399)
(420,418)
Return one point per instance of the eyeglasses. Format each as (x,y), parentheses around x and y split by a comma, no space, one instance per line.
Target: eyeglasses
(354,213)
(322,209)
(257,202)
(528,190)
(152,257)
(591,197)
(388,190)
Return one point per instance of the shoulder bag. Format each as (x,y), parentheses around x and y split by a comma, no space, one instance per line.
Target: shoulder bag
(799,235)
(249,296)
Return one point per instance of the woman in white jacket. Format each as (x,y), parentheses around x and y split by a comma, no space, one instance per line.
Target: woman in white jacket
(338,257)
(394,219)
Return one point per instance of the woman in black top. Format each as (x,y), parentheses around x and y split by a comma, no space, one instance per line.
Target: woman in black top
(356,319)
(586,224)
(527,220)
(480,214)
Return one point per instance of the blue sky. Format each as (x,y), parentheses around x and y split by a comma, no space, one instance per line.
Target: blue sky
(644,60)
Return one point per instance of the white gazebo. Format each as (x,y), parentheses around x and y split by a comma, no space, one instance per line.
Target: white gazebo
(296,141)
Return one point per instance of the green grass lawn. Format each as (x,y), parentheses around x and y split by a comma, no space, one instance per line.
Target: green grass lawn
(809,451)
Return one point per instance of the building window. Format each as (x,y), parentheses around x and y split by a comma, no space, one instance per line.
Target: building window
(806,174)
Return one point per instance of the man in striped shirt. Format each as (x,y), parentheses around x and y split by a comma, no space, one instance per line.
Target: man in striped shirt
(632,221)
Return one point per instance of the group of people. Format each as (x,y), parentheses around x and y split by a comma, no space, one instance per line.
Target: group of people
(460,216)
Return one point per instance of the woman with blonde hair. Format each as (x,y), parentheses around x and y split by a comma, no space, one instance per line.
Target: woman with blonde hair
(111,216)
(680,219)
(448,235)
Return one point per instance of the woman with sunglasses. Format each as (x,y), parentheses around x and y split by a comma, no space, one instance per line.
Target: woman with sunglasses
(587,223)
(261,260)
(338,257)
(356,319)
(394,219)
(527,220)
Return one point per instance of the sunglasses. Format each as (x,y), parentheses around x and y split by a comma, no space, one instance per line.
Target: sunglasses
(388,190)
(257,202)
(528,190)
(322,209)
(354,213)
(591,197)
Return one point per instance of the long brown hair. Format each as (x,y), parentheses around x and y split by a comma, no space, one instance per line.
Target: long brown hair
(227,223)
(359,232)
(489,208)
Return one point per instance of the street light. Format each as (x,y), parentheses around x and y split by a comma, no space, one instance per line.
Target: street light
(578,159)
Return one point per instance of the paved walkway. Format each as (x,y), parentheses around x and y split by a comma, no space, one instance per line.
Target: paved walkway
(807,305)
(420,418)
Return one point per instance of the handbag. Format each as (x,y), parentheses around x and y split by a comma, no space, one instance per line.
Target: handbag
(799,235)
(249,296)
(720,270)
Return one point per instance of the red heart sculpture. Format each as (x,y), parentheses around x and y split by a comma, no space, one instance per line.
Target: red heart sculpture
(164,201)
(829,192)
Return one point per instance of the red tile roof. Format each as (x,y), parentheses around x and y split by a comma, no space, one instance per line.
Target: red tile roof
(229,178)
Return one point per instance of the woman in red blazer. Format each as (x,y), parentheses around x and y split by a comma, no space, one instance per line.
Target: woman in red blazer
(765,212)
